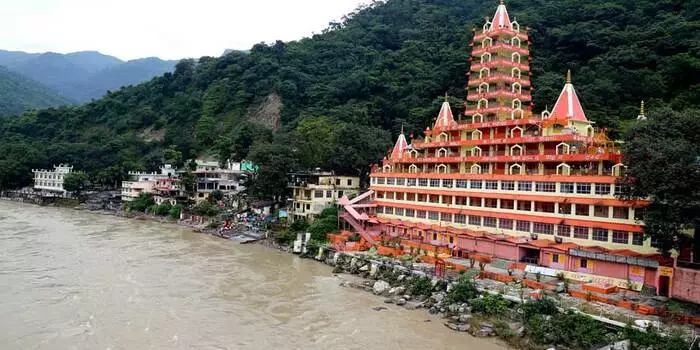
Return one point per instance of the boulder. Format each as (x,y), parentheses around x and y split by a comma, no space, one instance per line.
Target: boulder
(622,345)
(438,297)
(380,287)
(433,310)
(520,332)
(379,308)
(401,277)
(454,308)
(407,297)
(397,291)
(464,318)
(364,268)
(412,305)
(388,301)
(457,327)
(401,301)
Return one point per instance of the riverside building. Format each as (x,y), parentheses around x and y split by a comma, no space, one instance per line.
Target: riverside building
(51,180)
(314,191)
(502,181)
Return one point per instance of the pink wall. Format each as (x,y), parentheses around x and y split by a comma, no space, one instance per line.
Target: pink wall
(506,251)
(563,263)
(650,277)
(466,243)
(686,284)
(485,247)
(610,269)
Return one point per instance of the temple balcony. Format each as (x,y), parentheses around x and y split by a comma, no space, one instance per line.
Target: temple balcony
(500,62)
(524,97)
(499,77)
(500,47)
(501,32)
(524,158)
(421,144)
(489,110)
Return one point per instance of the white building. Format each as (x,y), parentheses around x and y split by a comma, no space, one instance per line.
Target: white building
(145,182)
(212,177)
(313,192)
(51,180)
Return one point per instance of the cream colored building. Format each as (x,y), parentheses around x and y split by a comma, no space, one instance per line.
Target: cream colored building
(144,182)
(51,180)
(313,192)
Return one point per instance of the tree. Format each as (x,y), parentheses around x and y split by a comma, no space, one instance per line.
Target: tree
(663,158)
(75,181)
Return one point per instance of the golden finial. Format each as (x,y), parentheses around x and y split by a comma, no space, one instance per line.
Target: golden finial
(641,108)
(568,76)
(401,128)
(446,98)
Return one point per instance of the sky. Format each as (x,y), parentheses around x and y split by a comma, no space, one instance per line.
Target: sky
(169,29)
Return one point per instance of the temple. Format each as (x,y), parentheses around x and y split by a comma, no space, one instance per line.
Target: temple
(503,182)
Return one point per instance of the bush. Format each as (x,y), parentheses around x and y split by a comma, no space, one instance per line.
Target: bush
(544,306)
(354,238)
(651,338)
(421,286)
(163,209)
(577,331)
(299,225)
(322,227)
(490,305)
(206,209)
(141,203)
(175,211)
(284,237)
(462,292)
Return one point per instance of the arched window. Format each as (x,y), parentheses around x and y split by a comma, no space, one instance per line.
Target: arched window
(515,41)
(516,114)
(486,42)
(413,169)
(442,169)
(475,169)
(482,103)
(413,153)
(516,150)
(515,57)
(619,169)
(515,72)
(485,57)
(516,132)
(477,118)
(387,168)
(486,27)
(563,148)
(563,169)
(516,169)
(546,114)
(517,104)
(442,152)
(483,88)
(443,137)
(516,88)
(516,26)
(484,70)
(476,135)
(476,152)
(589,131)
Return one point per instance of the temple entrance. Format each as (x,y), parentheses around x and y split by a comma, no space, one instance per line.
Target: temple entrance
(530,256)
(664,285)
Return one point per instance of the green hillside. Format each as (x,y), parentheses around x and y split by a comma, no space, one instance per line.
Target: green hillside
(18,93)
(335,100)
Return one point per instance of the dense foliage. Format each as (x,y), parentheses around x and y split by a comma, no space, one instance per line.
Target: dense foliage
(334,100)
(18,93)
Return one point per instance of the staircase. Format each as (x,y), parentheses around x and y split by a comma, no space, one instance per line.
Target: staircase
(355,219)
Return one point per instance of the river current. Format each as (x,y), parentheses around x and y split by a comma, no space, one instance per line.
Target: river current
(78,280)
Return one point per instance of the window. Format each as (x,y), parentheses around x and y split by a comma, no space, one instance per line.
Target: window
(621,189)
(459,200)
(329,194)
(564,231)
(401,181)
(506,224)
(489,221)
(421,197)
(420,214)
(410,197)
(600,234)
(491,185)
(475,201)
(566,187)
(446,217)
(475,220)
(410,213)
(524,205)
(544,207)
(546,229)
(478,184)
(621,213)
(638,238)
(654,242)
(621,237)
(507,204)
(349,182)
(545,187)
(410,182)
(522,226)
(462,183)
(434,182)
(508,185)
(398,211)
(434,198)
(555,258)
(433,215)
(337,182)
(583,188)
(580,232)
(582,209)
(434,236)
(602,189)
(524,186)
(600,211)
(447,183)
(583,263)
(380,180)
(565,208)
(446,199)
(340,194)
(460,218)
(389,210)
(318,194)
(380,210)
(423,182)
(639,214)
(491,203)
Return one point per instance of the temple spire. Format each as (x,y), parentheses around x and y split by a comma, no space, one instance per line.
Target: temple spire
(501,19)
(568,105)
(445,118)
(641,115)
(400,146)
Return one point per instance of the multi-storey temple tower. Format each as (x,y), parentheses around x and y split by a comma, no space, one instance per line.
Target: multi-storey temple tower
(504,182)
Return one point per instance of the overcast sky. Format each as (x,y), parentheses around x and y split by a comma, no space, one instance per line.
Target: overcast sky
(169,29)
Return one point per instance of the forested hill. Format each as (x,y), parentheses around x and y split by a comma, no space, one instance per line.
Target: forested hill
(335,100)
(18,93)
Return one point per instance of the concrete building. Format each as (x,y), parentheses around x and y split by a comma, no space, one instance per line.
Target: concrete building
(139,183)
(51,180)
(212,176)
(313,192)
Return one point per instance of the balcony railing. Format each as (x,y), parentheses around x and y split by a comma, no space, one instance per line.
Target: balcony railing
(501,47)
(499,62)
(499,93)
(500,31)
(498,77)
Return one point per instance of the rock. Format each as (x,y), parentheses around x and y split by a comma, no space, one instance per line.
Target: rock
(401,277)
(407,297)
(483,332)
(438,297)
(401,301)
(397,291)
(464,318)
(412,305)
(344,284)
(368,289)
(364,268)
(380,287)
(457,327)
(433,310)
(520,332)
(442,309)
(454,308)
(486,325)
(379,308)
(622,345)
(462,310)
(388,301)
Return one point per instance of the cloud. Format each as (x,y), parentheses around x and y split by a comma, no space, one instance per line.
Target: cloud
(170,29)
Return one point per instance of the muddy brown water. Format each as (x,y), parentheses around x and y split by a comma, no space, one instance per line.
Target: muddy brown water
(78,280)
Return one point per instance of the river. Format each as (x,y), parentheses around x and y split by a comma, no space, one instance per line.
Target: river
(78,280)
